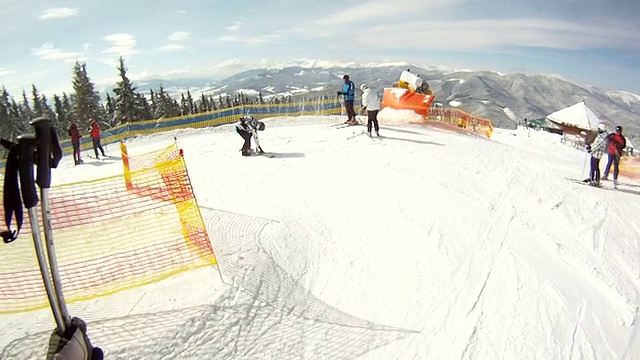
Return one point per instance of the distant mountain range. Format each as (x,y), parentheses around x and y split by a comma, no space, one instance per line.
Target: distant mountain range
(504,98)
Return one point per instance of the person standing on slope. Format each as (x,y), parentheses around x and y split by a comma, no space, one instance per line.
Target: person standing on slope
(75,142)
(349,92)
(617,143)
(371,103)
(248,128)
(95,136)
(597,149)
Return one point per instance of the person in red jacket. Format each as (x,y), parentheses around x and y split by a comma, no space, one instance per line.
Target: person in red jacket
(617,143)
(95,136)
(75,142)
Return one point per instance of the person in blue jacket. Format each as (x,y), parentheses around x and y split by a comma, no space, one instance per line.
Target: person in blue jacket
(349,92)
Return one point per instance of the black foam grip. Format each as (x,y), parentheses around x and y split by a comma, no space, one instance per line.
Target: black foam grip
(25,168)
(42,127)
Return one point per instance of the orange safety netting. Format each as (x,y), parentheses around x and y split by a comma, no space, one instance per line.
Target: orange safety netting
(463,121)
(111,237)
(630,167)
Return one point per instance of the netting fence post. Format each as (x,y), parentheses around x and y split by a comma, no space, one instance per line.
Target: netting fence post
(125,164)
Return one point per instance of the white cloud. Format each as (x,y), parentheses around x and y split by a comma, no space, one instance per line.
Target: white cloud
(222,69)
(261,39)
(4,71)
(178,36)
(49,52)
(122,44)
(171,47)
(58,13)
(499,33)
(381,9)
(229,64)
(236,25)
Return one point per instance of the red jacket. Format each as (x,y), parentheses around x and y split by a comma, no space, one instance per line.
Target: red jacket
(95,129)
(617,143)
(74,132)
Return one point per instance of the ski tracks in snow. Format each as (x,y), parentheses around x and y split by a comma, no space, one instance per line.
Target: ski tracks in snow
(492,238)
(283,319)
(458,310)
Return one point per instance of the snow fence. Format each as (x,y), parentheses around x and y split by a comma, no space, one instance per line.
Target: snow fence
(112,235)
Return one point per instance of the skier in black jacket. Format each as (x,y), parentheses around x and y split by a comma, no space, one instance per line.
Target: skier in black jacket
(248,128)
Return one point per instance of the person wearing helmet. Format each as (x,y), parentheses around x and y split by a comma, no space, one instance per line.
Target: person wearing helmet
(596,149)
(248,128)
(349,92)
(371,103)
(617,143)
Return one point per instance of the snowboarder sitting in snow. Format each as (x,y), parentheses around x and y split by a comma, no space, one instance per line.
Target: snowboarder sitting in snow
(248,127)
(596,149)
(371,103)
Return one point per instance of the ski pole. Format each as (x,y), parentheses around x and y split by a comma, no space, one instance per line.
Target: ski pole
(48,154)
(30,199)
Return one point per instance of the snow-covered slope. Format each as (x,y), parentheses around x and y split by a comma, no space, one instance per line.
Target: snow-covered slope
(425,244)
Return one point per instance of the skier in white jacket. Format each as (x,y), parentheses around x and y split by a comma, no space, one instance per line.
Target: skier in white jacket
(371,103)
(596,149)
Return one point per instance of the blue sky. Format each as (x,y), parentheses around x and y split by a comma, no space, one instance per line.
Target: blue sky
(591,42)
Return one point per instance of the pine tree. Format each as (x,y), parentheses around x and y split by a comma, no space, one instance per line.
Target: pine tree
(130,106)
(60,112)
(67,106)
(154,103)
(212,103)
(26,113)
(161,104)
(21,114)
(174,107)
(204,104)
(125,97)
(183,105)
(190,104)
(38,107)
(143,109)
(5,120)
(110,111)
(86,100)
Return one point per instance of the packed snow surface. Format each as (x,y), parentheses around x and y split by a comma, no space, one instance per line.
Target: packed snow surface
(425,244)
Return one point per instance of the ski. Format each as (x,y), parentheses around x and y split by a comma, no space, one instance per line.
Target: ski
(104,157)
(587,183)
(341,126)
(265,154)
(356,134)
